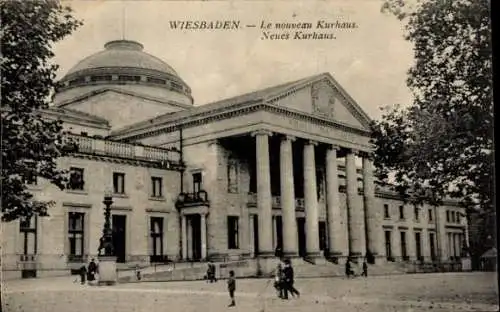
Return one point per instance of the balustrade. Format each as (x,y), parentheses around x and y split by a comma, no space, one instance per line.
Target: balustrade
(99,146)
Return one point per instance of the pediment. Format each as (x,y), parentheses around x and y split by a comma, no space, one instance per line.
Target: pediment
(324,97)
(121,109)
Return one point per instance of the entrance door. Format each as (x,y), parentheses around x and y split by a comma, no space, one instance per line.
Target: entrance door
(302,236)
(256,234)
(196,237)
(119,236)
(279,233)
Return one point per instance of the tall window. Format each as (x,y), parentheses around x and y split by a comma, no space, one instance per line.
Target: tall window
(27,228)
(418,245)
(232,232)
(404,252)
(197,182)
(76,179)
(119,183)
(156,235)
(76,221)
(156,187)
(386,211)
(322,235)
(401,212)
(232,176)
(432,246)
(447,216)
(388,247)
(453,216)
(416,213)
(430,215)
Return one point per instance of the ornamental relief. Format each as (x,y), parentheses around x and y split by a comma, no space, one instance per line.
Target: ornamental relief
(323,99)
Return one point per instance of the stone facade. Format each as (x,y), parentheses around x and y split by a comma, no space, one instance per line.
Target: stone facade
(284,170)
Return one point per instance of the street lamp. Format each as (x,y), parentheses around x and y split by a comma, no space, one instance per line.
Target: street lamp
(107,260)
(106,241)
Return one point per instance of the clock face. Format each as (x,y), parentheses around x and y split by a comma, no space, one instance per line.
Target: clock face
(323,99)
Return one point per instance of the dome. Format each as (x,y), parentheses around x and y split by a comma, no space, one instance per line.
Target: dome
(124,65)
(122,54)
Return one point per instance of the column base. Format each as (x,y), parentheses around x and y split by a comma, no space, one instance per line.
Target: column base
(291,254)
(336,257)
(266,254)
(107,271)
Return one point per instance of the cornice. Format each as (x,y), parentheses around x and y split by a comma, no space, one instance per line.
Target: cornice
(238,110)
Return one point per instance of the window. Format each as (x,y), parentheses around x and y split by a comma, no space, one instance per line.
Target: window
(197,180)
(447,216)
(432,246)
(27,227)
(156,235)
(119,183)
(322,235)
(388,247)
(386,211)
(76,179)
(418,245)
(416,212)
(232,232)
(156,187)
(452,216)
(430,215)
(76,222)
(404,253)
(232,176)
(401,212)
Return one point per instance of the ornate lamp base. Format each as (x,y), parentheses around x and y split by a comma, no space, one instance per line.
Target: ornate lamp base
(107,270)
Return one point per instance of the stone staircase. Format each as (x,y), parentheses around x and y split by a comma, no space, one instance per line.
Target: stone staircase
(190,271)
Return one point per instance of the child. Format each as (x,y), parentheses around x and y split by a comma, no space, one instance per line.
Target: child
(231,287)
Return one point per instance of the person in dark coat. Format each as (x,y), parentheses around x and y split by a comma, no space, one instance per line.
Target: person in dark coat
(83,273)
(92,270)
(231,287)
(289,281)
(348,268)
(365,269)
(278,280)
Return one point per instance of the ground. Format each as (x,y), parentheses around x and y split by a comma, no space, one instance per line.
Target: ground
(412,293)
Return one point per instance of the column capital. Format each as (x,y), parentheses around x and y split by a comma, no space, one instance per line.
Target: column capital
(334,147)
(311,142)
(353,151)
(365,154)
(287,137)
(261,132)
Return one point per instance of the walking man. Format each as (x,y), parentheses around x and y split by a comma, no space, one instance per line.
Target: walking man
(231,287)
(365,269)
(289,280)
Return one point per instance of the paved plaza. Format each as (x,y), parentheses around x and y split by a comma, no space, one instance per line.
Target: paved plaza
(422,292)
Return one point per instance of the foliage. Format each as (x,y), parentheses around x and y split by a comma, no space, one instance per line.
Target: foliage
(442,144)
(30,143)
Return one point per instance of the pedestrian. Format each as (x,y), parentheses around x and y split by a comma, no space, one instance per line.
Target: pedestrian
(231,287)
(365,269)
(214,271)
(289,280)
(348,269)
(83,273)
(278,281)
(92,271)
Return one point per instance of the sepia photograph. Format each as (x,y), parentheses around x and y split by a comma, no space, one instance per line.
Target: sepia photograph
(247,156)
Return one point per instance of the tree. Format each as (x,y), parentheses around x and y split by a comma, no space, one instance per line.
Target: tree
(441,145)
(30,143)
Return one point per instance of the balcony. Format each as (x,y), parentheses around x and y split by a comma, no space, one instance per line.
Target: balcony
(194,199)
(275,202)
(165,158)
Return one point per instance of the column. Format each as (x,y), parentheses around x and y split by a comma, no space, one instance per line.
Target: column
(203,225)
(184,237)
(290,239)
(372,214)
(355,211)
(264,192)
(251,235)
(189,238)
(333,204)
(311,200)
(426,248)
(275,233)
(397,253)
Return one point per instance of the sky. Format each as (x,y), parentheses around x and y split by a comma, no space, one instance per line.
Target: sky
(369,61)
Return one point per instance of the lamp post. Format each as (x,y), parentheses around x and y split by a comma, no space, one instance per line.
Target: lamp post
(107,259)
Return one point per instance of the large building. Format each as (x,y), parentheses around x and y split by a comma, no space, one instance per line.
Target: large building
(285,169)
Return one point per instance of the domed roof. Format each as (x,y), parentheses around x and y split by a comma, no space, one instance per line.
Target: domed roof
(122,54)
